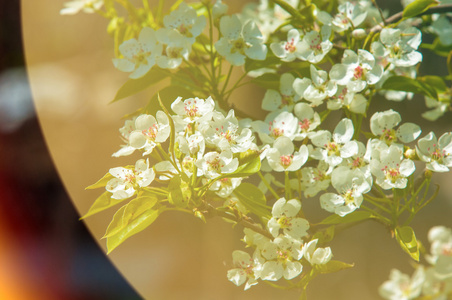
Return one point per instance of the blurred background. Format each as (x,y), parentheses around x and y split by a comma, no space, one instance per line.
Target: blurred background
(47,253)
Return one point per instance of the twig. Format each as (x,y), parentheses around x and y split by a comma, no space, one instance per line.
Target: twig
(396,17)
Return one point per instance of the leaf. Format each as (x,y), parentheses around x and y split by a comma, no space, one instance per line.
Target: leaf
(167,96)
(355,216)
(129,220)
(180,192)
(253,199)
(417,7)
(324,236)
(268,81)
(449,63)
(102,203)
(435,82)
(401,83)
(407,240)
(101,182)
(271,60)
(333,266)
(133,86)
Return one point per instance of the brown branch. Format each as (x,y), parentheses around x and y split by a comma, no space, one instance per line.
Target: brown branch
(396,17)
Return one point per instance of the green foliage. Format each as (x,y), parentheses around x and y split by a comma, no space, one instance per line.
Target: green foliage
(133,86)
(129,220)
(407,240)
(401,83)
(253,199)
(101,182)
(333,266)
(180,192)
(417,7)
(325,235)
(102,203)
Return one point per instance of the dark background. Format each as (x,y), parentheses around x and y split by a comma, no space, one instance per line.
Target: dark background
(53,250)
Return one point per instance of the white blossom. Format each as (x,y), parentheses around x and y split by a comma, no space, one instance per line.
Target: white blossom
(284,217)
(127,181)
(281,157)
(240,41)
(436,153)
(139,55)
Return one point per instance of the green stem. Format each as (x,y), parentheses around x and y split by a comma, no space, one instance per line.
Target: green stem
(287,186)
(382,218)
(227,79)
(167,157)
(367,198)
(267,184)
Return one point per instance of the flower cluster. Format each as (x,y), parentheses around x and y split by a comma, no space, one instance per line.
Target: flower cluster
(166,47)
(282,256)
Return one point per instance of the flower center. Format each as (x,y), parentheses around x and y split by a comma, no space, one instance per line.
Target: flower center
(359,72)
(389,136)
(286,160)
(151,132)
(304,125)
(332,148)
(392,174)
(239,46)
(290,46)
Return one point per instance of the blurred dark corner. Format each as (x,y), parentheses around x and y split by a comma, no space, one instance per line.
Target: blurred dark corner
(53,248)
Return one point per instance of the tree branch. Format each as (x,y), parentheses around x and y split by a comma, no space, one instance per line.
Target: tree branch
(396,17)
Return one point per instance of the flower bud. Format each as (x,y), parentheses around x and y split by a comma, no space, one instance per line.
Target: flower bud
(359,34)
(428,173)
(410,153)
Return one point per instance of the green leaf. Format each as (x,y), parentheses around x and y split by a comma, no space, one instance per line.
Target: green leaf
(253,199)
(324,236)
(407,240)
(355,216)
(435,82)
(268,81)
(417,7)
(133,86)
(401,83)
(102,203)
(438,48)
(101,182)
(180,192)
(271,60)
(333,266)
(167,95)
(449,63)
(130,219)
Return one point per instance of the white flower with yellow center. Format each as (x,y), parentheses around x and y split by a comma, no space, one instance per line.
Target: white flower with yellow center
(139,55)
(356,71)
(246,269)
(213,164)
(316,89)
(191,110)
(389,167)
(350,186)
(127,181)
(284,124)
(281,257)
(284,217)
(382,124)
(288,50)
(333,148)
(281,157)
(240,41)
(315,45)
(186,22)
(149,132)
(436,153)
